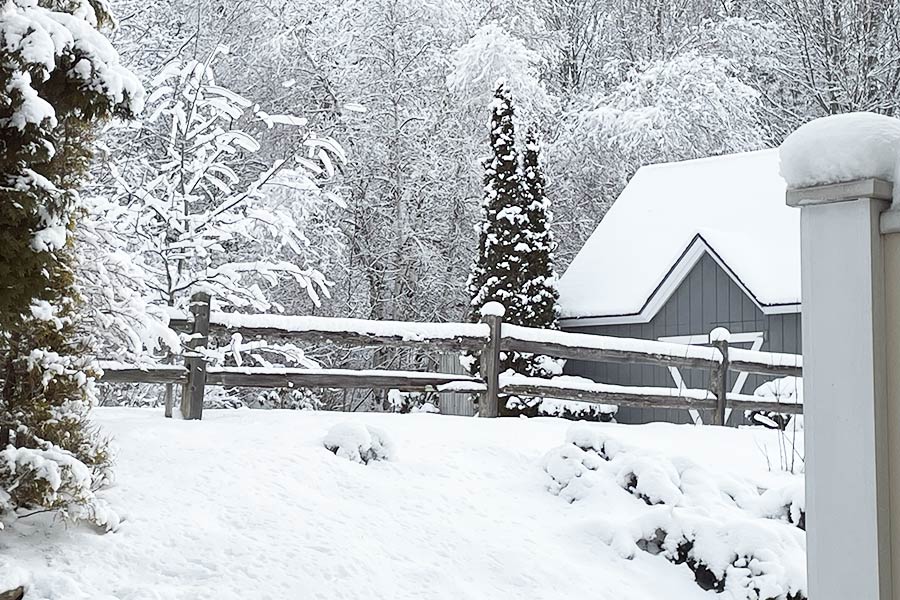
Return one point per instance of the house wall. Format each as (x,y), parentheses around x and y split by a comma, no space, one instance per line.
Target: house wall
(706,299)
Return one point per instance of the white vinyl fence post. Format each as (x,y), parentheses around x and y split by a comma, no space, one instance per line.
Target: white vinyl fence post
(845,381)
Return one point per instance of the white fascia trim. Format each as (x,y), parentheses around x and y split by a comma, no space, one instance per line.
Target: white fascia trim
(673,279)
(782,309)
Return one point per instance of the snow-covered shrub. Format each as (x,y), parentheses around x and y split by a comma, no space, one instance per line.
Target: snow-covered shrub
(785,503)
(141,395)
(567,466)
(410,402)
(652,479)
(217,397)
(735,538)
(13,577)
(358,442)
(588,438)
(574,410)
(291,399)
(280,398)
(51,480)
(753,559)
(786,390)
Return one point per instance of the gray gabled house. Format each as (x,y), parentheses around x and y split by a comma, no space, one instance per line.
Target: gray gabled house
(686,248)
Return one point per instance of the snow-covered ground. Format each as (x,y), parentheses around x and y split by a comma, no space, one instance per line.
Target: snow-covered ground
(250,504)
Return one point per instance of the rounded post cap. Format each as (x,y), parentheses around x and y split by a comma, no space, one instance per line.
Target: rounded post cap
(492,309)
(719,334)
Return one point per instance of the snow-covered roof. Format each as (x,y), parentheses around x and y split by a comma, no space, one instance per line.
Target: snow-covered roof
(732,207)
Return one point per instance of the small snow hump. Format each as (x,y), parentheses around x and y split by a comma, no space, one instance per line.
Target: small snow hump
(841,148)
(719,334)
(492,309)
(358,442)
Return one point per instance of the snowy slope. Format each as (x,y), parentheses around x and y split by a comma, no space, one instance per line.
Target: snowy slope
(249,504)
(735,202)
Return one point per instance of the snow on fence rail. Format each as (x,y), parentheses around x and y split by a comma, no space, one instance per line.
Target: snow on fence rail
(586,390)
(361,332)
(601,348)
(765,363)
(488,338)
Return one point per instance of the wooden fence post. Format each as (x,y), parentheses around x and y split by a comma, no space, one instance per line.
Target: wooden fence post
(169,396)
(489,363)
(192,391)
(718,337)
(169,399)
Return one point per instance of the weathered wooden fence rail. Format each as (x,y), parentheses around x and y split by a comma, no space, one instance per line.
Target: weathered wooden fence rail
(488,339)
(452,337)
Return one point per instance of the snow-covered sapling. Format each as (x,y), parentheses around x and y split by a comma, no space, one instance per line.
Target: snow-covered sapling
(203,209)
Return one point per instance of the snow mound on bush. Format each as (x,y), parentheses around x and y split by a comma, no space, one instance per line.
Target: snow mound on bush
(841,148)
(752,558)
(358,442)
(12,576)
(734,536)
(574,409)
(567,466)
(652,480)
(51,479)
(786,503)
(785,390)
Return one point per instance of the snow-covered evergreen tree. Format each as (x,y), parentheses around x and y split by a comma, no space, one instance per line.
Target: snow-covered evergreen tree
(514,265)
(538,289)
(58,77)
(493,276)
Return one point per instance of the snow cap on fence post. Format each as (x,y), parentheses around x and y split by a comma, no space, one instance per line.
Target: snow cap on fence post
(719,334)
(839,171)
(492,309)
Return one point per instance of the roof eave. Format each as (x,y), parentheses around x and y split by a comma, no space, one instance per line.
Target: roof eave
(673,278)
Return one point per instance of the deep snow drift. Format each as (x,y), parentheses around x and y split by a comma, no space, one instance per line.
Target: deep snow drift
(250,504)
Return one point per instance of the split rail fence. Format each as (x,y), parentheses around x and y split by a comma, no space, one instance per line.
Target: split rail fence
(488,339)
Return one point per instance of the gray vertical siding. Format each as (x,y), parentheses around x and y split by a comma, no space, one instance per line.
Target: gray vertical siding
(706,299)
(454,403)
